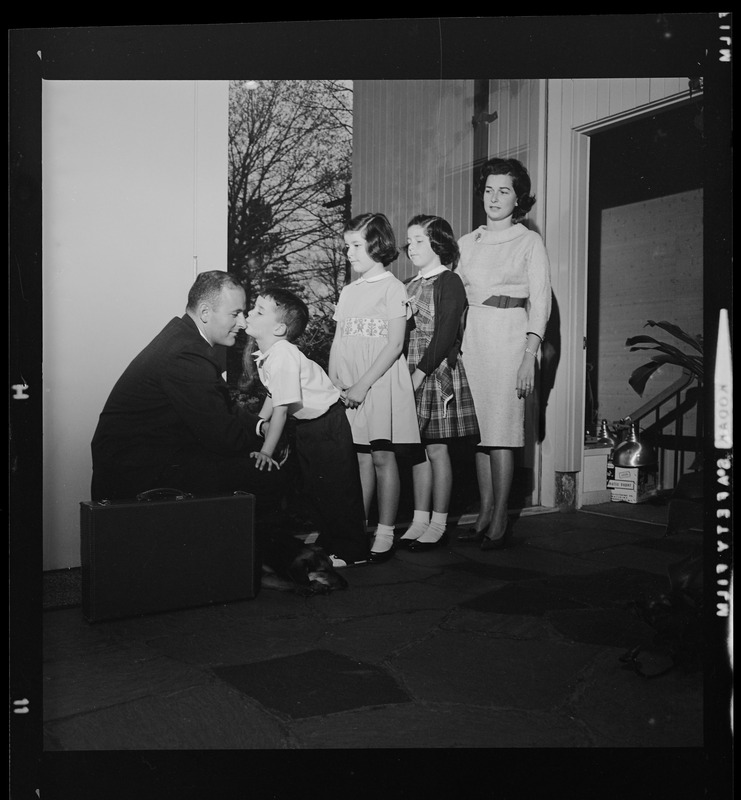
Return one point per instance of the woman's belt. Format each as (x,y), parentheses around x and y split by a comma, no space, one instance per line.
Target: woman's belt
(503,301)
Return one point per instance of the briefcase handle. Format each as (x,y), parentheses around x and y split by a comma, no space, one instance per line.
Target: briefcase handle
(163,493)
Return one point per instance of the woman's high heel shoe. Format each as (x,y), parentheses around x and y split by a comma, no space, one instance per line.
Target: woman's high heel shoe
(488,543)
(472,536)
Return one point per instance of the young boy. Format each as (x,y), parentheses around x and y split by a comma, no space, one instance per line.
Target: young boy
(300,388)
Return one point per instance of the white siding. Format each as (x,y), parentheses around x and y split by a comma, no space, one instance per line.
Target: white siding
(412,152)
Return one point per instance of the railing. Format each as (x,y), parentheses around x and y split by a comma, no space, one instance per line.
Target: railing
(661,422)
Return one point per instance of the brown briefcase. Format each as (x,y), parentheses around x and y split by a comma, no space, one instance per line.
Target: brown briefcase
(166,550)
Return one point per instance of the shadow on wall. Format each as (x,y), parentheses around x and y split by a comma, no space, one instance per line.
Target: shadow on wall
(549,363)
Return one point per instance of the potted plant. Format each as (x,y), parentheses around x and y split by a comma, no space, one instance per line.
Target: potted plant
(666,354)
(689,488)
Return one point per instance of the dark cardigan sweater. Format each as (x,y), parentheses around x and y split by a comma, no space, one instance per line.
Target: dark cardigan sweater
(450,301)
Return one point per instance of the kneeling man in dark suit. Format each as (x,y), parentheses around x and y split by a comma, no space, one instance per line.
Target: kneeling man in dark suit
(169,420)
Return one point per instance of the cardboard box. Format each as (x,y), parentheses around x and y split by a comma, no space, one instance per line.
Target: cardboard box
(621,485)
(593,488)
(630,484)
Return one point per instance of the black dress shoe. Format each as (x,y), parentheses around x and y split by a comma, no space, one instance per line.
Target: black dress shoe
(420,547)
(379,558)
(471,536)
(501,542)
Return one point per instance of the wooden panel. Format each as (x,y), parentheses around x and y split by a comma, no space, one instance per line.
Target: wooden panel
(634,92)
(514,134)
(412,153)
(594,99)
(519,132)
(602,108)
(393,173)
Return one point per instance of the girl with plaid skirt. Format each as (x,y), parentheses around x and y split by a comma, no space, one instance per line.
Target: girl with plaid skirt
(445,409)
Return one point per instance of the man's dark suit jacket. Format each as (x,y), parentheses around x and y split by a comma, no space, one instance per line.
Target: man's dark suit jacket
(171,405)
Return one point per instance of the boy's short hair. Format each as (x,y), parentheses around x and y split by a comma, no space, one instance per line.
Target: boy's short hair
(293,312)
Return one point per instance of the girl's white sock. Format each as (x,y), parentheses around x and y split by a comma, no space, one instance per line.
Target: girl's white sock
(435,529)
(383,539)
(420,521)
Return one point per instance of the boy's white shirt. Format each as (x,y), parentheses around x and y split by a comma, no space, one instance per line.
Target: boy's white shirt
(295,381)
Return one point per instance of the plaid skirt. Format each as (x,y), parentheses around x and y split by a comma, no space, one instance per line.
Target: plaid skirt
(449,417)
(445,407)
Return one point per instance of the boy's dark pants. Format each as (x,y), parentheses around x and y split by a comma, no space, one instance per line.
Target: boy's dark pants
(329,469)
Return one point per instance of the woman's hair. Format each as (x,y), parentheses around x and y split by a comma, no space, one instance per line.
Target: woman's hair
(442,239)
(380,241)
(520,181)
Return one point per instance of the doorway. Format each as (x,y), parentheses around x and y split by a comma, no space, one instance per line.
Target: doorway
(645,250)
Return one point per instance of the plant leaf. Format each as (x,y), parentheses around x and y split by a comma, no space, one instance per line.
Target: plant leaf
(678,356)
(649,341)
(699,366)
(675,330)
(642,339)
(639,377)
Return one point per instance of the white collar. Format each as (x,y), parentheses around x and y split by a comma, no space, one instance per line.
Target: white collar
(260,355)
(203,334)
(382,276)
(431,274)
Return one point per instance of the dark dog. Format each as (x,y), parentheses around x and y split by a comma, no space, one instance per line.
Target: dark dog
(289,565)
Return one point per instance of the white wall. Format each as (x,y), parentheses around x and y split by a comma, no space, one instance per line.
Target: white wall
(395,176)
(134,205)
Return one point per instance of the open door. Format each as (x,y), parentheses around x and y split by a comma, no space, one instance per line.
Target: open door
(645,257)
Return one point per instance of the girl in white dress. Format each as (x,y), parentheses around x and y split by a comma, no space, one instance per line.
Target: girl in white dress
(367,364)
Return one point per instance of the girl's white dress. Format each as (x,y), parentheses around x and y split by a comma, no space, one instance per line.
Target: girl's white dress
(363,313)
